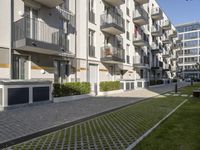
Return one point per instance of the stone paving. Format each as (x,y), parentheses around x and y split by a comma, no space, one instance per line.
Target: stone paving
(31,119)
(114,131)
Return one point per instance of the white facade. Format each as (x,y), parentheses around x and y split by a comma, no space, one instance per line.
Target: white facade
(107,40)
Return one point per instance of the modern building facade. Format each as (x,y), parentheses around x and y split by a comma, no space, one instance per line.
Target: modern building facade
(86,40)
(189,56)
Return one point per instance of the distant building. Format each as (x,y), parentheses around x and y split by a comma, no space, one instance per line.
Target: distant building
(189,55)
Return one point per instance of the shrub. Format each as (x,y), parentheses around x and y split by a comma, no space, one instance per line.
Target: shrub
(71,88)
(156,82)
(174,80)
(109,86)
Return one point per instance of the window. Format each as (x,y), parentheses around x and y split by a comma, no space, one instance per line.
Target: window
(180,36)
(91,11)
(194,51)
(191,43)
(91,43)
(127,7)
(127,30)
(141,74)
(127,54)
(191,59)
(192,35)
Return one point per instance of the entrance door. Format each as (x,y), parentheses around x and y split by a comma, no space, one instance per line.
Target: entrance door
(20,67)
(93,77)
(62,71)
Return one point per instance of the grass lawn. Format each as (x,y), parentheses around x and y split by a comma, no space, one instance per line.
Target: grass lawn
(116,130)
(180,132)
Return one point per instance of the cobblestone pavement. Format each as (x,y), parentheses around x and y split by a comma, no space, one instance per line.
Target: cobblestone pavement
(31,119)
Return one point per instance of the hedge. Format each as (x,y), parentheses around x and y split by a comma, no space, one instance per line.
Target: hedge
(109,86)
(156,82)
(174,80)
(71,88)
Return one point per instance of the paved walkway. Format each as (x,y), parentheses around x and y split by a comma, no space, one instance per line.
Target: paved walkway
(31,119)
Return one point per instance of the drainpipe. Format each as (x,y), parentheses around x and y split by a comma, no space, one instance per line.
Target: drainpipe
(11,36)
(87,47)
(75,40)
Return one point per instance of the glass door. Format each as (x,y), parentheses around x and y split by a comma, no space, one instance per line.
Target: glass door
(20,67)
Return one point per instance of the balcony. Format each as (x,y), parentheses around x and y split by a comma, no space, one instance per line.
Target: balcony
(140,39)
(112,23)
(166,40)
(156,14)
(140,16)
(141,2)
(174,58)
(156,31)
(173,33)
(166,25)
(115,2)
(112,55)
(156,48)
(37,36)
(141,62)
(157,66)
(50,3)
(167,67)
(166,55)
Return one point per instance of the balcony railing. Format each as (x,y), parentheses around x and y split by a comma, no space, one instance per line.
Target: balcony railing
(112,22)
(140,39)
(27,28)
(156,48)
(140,16)
(156,13)
(156,30)
(110,54)
(157,65)
(140,61)
(166,24)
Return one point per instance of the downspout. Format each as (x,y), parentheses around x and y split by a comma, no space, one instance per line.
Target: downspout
(75,24)
(87,43)
(11,37)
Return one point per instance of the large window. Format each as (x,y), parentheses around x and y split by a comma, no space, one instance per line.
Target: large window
(192,35)
(191,43)
(191,59)
(194,51)
(91,43)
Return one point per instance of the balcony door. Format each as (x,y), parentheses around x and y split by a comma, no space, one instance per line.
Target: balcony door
(31,22)
(20,67)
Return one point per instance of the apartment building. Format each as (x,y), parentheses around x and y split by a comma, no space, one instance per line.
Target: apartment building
(37,39)
(86,40)
(189,56)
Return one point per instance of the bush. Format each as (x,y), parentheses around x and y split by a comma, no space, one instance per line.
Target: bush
(71,88)
(174,80)
(109,86)
(156,82)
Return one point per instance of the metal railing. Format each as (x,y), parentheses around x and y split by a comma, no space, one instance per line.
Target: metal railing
(140,12)
(39,31)
(110,17)
(108,51)
(166,23)
(155,11)
(140,60)
(140,35)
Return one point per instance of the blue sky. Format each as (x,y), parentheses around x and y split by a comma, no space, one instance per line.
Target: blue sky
(181,11)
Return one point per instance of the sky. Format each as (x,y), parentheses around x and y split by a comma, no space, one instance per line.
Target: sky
(181,11)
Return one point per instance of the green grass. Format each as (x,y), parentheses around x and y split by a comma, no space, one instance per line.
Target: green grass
(116,130)
(179,132)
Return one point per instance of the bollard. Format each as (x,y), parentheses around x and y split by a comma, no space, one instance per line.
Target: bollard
(176,88)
